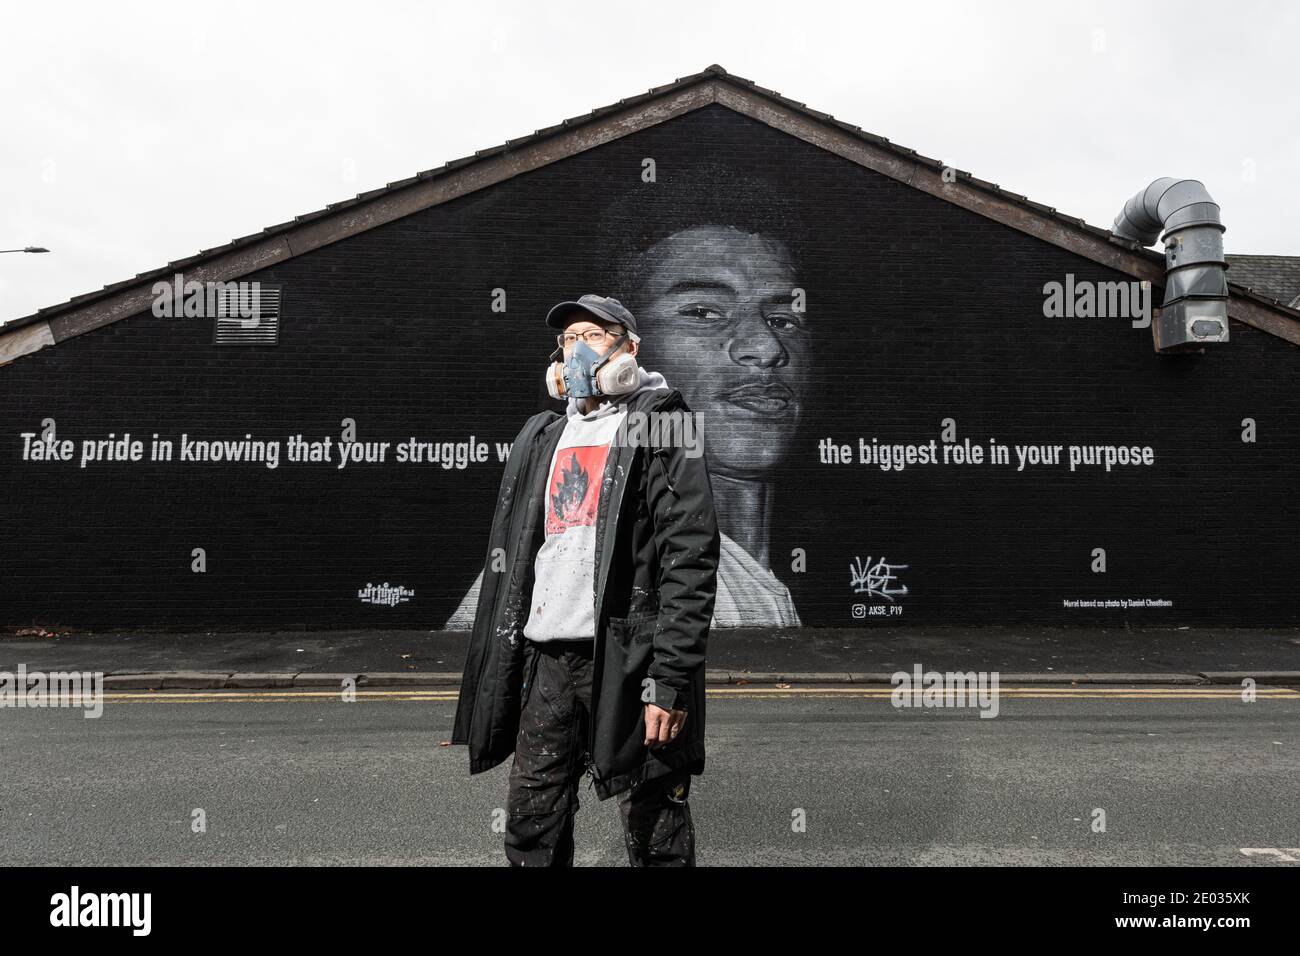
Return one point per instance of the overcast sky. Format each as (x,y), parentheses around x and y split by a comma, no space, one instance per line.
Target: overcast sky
(136,133)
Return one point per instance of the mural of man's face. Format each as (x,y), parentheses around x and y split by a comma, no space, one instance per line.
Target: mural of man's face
(715,307)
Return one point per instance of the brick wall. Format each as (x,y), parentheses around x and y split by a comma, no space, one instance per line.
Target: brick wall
(917,311)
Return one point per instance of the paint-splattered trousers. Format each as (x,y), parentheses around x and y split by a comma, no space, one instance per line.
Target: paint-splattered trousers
(551,757)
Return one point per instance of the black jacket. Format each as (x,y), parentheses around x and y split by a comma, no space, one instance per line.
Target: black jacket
(657,547)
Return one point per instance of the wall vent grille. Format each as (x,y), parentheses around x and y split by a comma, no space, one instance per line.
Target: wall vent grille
(240,300)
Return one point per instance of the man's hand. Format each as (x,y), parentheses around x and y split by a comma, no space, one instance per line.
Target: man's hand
(662,726)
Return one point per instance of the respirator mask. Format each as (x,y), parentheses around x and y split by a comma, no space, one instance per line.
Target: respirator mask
(586,374)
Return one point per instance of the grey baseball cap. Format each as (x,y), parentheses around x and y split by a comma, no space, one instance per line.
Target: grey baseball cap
(603,307)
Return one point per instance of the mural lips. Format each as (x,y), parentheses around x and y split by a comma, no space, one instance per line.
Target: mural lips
(760,398)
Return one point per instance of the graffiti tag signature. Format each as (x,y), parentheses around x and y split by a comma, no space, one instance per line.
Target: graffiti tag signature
(876,578)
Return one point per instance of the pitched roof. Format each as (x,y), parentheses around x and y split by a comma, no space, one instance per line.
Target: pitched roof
(457,177)
(1277,277)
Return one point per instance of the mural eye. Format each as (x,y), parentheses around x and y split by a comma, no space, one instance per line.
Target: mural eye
(783,322)
(702,312)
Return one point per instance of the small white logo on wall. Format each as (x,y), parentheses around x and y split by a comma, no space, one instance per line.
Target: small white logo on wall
(879,580)
(385,594)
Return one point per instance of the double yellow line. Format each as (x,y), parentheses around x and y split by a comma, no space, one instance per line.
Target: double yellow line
(1046,692)
(1071,692)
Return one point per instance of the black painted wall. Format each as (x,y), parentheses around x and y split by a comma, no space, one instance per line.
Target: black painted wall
(917,311)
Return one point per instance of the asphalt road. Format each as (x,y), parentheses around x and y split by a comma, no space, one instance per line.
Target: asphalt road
(1186,776)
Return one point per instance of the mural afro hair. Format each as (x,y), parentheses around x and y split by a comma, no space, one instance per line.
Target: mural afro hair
(685,197)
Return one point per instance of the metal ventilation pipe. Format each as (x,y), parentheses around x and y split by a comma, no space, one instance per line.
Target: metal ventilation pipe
(1195,308)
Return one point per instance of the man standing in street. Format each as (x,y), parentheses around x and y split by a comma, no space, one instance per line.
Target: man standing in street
(593,614)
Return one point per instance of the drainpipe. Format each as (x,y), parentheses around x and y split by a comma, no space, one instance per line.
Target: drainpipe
(1181,212)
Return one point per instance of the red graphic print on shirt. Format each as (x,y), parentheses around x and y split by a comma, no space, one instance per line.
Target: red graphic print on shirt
(575,487)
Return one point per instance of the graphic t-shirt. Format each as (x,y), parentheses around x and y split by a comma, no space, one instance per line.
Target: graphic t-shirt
(564,593)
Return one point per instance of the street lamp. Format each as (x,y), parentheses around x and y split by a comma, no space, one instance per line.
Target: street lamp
(26,249)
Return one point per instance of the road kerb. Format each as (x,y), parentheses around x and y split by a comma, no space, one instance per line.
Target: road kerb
(1260,677)
(410,679)
(213,680)
(308,679)
(284,679)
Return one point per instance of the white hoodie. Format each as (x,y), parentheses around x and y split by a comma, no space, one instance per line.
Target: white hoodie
(646,380)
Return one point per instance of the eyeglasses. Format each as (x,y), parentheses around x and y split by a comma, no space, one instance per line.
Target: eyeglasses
(590,336)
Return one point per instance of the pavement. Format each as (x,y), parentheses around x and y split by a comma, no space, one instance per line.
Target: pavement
(160,658)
